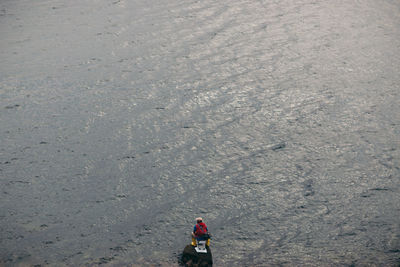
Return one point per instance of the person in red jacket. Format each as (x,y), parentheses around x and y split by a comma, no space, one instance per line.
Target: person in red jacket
(200,231)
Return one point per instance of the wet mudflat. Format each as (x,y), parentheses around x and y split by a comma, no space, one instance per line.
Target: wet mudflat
(276,121)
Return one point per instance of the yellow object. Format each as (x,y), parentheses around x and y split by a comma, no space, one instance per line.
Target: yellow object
(195,244)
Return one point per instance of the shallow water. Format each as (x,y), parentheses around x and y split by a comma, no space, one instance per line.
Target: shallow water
(278,122)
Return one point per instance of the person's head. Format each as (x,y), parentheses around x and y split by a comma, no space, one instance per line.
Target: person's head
(199,219)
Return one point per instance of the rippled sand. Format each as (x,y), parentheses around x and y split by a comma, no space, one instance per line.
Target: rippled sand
(276,121)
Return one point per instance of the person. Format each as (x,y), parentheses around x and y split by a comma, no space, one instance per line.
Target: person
(200,231)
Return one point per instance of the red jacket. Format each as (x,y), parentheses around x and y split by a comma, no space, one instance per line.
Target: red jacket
(200,229)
